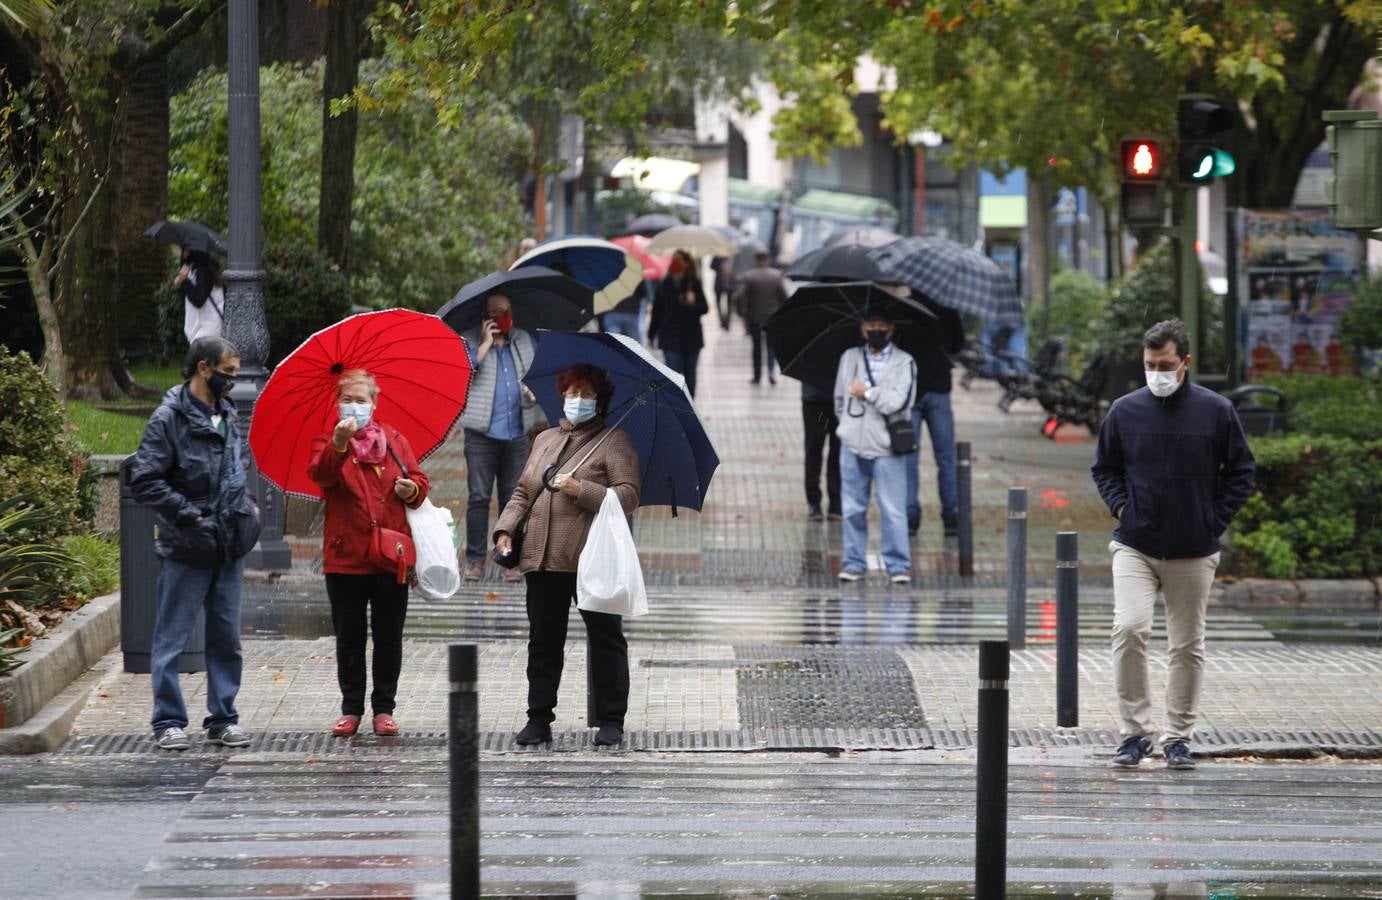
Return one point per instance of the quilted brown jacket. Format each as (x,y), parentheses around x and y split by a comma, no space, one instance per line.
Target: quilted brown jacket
(558,526)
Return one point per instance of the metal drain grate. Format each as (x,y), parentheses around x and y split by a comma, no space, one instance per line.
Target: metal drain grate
(1212,742)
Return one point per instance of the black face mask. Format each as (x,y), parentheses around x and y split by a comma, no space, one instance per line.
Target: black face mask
(878,338)
(220,383)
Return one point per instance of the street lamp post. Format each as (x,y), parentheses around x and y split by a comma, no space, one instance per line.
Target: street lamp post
(245,326)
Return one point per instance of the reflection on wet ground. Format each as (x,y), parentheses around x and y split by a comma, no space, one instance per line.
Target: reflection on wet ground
(868,825)
(872,617)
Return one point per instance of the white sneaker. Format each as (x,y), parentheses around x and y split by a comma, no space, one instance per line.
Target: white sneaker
(228,736)
(900,578)
(847,575)
(172,738)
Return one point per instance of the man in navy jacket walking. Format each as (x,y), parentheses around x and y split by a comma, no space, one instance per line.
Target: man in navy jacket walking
(1174,468)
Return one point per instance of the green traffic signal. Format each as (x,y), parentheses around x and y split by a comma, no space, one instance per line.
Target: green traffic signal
(1224,164)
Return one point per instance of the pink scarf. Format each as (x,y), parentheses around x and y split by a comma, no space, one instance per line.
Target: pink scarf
(370,444)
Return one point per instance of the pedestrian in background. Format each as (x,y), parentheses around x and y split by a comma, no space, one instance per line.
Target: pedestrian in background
(873,384)
(198,282)
(676,320)
(723,269)
(818,418)
(495,423)
(188,467)
(759,295)
(1174,468)
(368,474)
(627,316)
(562,488)
(944,336)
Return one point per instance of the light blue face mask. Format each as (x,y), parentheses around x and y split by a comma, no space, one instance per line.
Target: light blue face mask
(361,412)
(579,410)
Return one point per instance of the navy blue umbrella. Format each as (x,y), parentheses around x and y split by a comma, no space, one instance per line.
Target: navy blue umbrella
(607,269)
(650,403)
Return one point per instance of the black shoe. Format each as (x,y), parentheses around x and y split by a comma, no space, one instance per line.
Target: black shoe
(1178,756)
(534,733)
(952,525)
(609,736)
(813,513)
(772,379)
(913,526)
(833,516)
(1131,751)
(755,380)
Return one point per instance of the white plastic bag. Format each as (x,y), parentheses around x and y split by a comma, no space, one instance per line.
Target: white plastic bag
(609,578)
(438,572)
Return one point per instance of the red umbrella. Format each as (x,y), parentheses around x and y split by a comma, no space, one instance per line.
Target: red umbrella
(422,368)
(654,266)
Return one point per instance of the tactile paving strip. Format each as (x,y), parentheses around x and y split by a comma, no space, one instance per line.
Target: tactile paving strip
(821,688)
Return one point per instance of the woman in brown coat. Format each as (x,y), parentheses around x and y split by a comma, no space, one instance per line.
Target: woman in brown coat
(564,483)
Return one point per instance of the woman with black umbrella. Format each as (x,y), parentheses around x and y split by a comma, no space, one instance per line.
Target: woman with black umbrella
(676,321)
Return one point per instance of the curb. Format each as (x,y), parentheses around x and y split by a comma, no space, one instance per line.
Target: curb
(1321,593)
(49,728)
(54,662)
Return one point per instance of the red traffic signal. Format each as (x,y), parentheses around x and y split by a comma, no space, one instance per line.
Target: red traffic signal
(1141,159)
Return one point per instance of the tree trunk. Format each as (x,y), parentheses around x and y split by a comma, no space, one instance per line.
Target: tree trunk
(86,265)
(54,362)
(306,25)
(1038,237)
(343,44)
(142,262)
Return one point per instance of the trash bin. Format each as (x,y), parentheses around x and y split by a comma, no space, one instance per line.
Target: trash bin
(1259,419)
(139,566)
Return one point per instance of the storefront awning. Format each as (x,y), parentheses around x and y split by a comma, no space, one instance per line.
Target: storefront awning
(851,206)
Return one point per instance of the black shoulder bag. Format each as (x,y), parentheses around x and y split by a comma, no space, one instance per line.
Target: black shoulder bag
(901,435)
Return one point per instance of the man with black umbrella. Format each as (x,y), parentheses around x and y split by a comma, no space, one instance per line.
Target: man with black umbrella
(874,384)
(496,421)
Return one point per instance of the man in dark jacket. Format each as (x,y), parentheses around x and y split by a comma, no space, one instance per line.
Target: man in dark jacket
(945,337)
(759,295)
(1174,468)
(187,467)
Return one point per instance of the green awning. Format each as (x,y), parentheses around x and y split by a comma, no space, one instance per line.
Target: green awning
(1002,212)
(739,189)
(852,206)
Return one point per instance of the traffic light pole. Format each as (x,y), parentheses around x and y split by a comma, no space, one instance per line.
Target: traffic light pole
(1188,268)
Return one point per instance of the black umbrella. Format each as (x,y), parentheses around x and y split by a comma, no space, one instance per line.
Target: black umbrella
(653,223)
(820,322)
(844,262)
(539,297)
(189,236)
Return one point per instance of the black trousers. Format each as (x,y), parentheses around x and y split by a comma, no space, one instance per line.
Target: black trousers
(819,419)
(384,601)
(550,595)
(759,336)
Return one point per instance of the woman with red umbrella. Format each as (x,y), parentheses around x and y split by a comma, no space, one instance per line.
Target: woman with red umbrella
(367,472)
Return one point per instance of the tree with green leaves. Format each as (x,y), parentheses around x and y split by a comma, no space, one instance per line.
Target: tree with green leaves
(66,141)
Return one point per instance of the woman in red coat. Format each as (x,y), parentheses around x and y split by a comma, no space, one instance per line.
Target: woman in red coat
(367,473)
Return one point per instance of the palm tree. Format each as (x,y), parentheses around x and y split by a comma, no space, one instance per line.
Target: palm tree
(25,12)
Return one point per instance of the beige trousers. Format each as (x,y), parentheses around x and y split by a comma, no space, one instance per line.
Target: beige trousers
(1137,579)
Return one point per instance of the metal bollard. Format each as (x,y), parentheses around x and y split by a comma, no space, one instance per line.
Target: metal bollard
(463,740)
(991,776)
(1017,568)
(1068,629)
(963,475)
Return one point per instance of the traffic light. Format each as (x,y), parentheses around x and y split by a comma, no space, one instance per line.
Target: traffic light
(1198,161)
(1140,170)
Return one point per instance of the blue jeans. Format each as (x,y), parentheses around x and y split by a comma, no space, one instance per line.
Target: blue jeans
(183,592)
(857,476)
(628,324)
(684,363)
(935,410)
(485,460)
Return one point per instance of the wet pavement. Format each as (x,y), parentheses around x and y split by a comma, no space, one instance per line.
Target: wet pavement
(787,736)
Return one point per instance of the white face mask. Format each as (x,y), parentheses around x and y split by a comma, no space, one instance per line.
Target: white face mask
(1163,384)
(361,412)
(578,410)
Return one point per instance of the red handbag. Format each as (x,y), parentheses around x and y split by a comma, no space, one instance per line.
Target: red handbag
(391,551)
